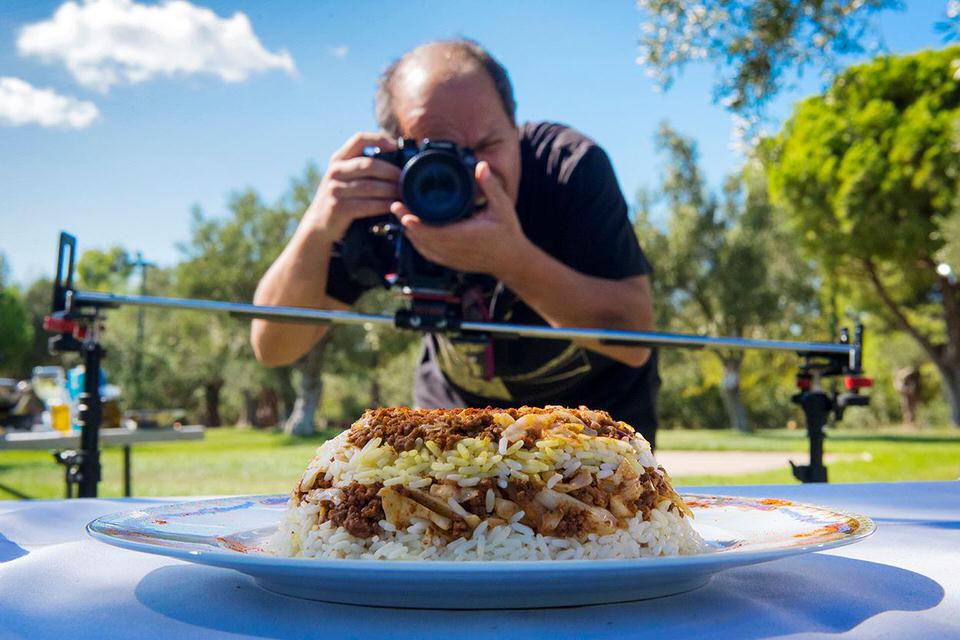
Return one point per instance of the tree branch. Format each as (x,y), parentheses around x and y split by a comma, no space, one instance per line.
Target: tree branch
(932,350)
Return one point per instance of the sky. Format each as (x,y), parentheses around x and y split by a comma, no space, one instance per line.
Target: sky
(115,122)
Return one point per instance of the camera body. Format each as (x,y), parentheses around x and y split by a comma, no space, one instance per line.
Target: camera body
(437,184)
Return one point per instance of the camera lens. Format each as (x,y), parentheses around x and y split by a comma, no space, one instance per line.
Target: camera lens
(437,187)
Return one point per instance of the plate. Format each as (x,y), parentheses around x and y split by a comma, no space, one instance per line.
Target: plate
(228,533)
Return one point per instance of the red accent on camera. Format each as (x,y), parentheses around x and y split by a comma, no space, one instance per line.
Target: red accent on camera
(804,382)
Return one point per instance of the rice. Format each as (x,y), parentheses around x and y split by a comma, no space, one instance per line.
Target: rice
(665,534)
(524,490)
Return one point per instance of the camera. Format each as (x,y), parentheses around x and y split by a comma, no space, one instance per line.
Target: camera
(437,184)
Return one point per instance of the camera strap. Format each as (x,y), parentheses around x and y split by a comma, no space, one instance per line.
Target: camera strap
(473,299)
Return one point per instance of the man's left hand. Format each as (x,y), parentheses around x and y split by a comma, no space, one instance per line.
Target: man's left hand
(491,241)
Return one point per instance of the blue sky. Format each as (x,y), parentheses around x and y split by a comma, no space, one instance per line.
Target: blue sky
(161,146)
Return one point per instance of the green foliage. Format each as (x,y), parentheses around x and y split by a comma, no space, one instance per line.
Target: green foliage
(723,267)
(37,301)
(103,270)
(753,44)
(16,334)
(867,174)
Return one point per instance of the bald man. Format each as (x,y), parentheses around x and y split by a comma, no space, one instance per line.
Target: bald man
(551,242)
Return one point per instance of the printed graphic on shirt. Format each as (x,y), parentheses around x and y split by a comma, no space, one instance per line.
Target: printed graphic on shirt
(463,364)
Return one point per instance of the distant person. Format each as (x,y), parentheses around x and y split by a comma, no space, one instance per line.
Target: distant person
(552,238)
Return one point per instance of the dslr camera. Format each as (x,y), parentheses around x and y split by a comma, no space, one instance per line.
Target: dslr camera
(437,184)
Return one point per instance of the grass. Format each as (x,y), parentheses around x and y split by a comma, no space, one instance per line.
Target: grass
(232,461)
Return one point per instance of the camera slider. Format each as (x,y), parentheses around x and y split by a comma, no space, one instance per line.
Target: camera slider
(76,318)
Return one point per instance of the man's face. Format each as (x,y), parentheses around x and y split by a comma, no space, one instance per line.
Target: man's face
(464,109)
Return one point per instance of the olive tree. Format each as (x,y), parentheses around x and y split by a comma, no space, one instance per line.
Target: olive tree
(868,174)
(723,265)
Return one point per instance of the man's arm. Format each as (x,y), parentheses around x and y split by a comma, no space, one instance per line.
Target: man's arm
(567,298)
(298,278)
(353,187)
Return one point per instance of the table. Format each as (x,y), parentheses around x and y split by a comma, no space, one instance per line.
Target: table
(58,441)
(903,582)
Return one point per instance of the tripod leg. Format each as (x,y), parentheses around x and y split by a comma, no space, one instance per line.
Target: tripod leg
(816,410)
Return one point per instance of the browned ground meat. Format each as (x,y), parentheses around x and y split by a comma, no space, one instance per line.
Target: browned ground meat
(400,427)
(360,510)
(521,492)
(592,495)
(459,529)
(571,525)
(477,505)
(654,490)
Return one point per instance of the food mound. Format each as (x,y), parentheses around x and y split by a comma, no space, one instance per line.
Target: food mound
(485,484)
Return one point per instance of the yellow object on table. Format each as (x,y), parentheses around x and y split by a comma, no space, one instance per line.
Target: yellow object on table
(60,416)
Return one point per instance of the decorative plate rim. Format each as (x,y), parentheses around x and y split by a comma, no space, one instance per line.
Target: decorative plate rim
(103,530)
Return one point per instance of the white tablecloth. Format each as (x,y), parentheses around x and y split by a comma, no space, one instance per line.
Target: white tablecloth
(904,582)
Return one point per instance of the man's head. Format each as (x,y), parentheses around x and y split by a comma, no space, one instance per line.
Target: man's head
(454,90)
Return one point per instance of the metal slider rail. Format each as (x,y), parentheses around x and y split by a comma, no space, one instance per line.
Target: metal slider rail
(75,322)
(319,316)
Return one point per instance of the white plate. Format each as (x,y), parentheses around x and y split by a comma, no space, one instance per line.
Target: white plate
(227,533)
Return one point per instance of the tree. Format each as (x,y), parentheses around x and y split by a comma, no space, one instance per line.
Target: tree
(868,175)
(224,259)
(104,270)
(367,352)
(950,26)
(753,44)
(723,268)
(37,300)
(16,334)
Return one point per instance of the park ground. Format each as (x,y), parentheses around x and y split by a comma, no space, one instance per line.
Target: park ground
(237,461)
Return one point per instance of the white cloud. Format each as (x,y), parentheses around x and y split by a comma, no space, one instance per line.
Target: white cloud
(340,51)
(21,103)
(107,42)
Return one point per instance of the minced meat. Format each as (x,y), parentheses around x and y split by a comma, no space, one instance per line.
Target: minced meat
(572,524)
(360,510)
(591,495)
(401,427)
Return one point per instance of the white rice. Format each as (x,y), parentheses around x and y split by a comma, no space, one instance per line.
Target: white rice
(561,453)
(665,534)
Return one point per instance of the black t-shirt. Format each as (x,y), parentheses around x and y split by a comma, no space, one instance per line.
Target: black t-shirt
(570,205)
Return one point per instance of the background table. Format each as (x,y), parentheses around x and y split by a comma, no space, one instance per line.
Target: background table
(56,440)
(903,582)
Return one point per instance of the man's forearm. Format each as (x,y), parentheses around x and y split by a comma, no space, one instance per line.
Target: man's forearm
(566,298)
(298,278)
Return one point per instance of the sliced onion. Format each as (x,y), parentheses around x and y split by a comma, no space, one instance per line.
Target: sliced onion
(325,495)
(579,481)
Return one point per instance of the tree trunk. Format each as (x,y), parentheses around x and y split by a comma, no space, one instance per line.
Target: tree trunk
(906,382)
(375,400)
(267,410)
(302,420)
(950,380)
(211,395)
(945,356)
(248,413)
(288,394)
(730,393)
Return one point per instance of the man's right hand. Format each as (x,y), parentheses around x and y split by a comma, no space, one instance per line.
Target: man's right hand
(354,186)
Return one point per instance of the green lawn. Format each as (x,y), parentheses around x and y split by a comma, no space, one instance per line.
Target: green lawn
(231,461)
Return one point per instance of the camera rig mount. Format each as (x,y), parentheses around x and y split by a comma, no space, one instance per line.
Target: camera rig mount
(77,316)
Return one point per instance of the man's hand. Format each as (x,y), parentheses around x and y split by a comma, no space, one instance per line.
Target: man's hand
(354,186)
(490,241)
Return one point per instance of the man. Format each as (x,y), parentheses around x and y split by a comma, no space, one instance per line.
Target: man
(551,235)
